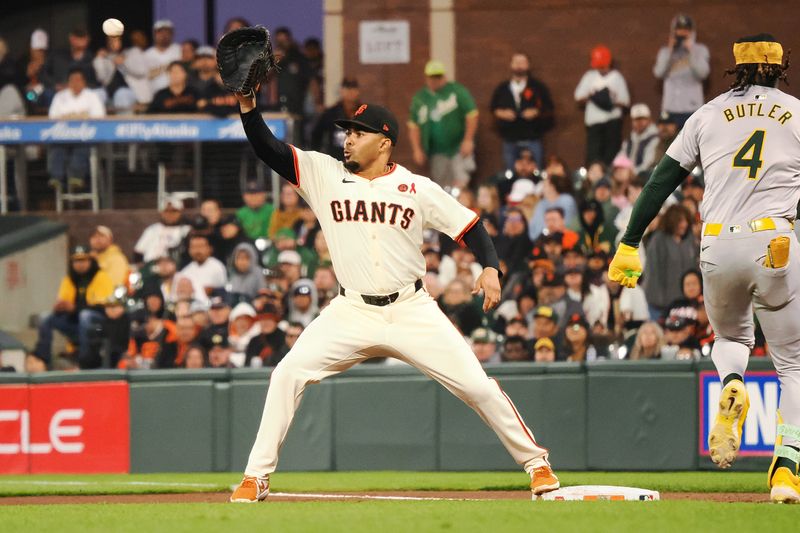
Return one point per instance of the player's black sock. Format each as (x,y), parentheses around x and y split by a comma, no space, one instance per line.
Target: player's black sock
(730,377)
(786,462)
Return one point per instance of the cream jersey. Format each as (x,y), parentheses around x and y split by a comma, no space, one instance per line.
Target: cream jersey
(748,144)
(373,228)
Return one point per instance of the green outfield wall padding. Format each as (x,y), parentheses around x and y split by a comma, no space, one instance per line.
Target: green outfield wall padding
(309,444)
(385,423)
(642,420)
(172,428)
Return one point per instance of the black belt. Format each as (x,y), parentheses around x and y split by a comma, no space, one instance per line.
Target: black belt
(386,299)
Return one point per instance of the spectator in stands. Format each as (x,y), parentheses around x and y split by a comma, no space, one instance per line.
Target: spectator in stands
(62,62)
(326,285)
(11,102)
(513,244)
(577,341)
(256,214)
(593,226)
(244,273)
(523,112)
(649,341)
(604,93)
(230,236)
(667,131)
(640,146)
(290,268)
(517,327)
(189,48)
(264,348)
(195,357)
(205,271)
(68,164)
(115,331)
(214,98)
(123,73)
(671,251)
(555,223)
(79,306)
(293,331)
(679,340)
(456,302)
(34,83)
(555,193)
(288,211)
(178,96)
(488,202)
(199,313)
(219,353)
(303,306)
(544,350)
(109,256)
(186,334)
(161,55)
(524,169)
(621,221)
(306,227)
(515,349)
(312,50)
(460,264)
(544,323)
(328,138)
(442,125)
(161,238)
(242,328)
(218,314)
(683,64)
(165,269)
(484,345)
(287,91)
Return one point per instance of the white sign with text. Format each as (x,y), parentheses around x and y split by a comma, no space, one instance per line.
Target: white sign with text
(384,41)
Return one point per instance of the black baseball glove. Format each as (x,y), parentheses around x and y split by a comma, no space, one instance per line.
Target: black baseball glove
(244,58)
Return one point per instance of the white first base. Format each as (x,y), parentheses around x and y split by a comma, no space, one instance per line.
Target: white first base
(599,492)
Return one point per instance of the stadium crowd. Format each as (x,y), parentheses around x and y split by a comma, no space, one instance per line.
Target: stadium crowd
(209,289)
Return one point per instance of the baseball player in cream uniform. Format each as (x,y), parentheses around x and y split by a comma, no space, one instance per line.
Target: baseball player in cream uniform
(748,143)
(373,213)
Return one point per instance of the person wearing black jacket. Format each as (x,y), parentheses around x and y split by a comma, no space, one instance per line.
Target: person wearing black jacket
(326,137)
(523,111)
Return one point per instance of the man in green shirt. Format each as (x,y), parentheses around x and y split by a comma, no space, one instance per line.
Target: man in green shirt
(442,125)
(256,213)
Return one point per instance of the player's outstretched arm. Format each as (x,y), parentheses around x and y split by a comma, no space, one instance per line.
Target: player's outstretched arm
(478,240)
(276,154)
(626,268)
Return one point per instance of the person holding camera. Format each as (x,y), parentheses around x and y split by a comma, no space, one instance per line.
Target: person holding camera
(683,64)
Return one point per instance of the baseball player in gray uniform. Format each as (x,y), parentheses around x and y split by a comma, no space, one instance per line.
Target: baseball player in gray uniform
(373,212)
(747,141)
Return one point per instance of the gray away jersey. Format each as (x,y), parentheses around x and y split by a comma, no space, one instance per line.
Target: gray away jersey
(748,144)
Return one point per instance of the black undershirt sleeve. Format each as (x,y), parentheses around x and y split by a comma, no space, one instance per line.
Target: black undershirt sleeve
(275,153)
(666,177)
(478,240)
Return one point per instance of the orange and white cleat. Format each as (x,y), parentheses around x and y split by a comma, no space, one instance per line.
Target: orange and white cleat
(251,490)
(543,480)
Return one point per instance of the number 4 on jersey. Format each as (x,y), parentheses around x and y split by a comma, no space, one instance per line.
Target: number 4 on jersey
(749,155)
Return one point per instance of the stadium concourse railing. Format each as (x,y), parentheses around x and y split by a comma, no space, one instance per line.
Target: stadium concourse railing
(101,134)
(605,415)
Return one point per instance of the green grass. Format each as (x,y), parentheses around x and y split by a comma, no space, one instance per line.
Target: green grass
(370,481)
(385,517)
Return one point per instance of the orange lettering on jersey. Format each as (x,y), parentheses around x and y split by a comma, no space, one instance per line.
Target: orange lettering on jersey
(395,208)
(374,213)
(336,211)
(408,214)
(360,110)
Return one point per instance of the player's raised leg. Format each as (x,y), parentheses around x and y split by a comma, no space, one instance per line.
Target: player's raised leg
(728,305)
(329,345)
(430,342)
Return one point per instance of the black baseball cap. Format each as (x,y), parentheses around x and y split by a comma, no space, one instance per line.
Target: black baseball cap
(374,119)
(254,186)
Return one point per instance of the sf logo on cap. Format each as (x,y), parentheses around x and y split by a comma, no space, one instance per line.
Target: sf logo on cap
(360,109)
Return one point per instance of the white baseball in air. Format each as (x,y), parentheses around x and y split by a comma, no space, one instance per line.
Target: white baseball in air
(113,27)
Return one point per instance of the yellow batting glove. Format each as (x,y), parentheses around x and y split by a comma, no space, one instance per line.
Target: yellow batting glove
(625,268)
